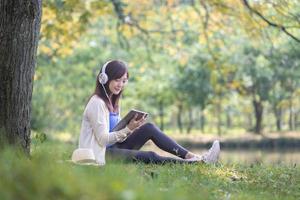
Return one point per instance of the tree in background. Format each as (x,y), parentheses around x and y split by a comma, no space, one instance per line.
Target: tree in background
(193,86)
(19,34)
(289,65)
(254,75)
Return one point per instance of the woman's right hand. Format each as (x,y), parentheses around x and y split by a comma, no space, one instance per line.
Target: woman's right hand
(134,123)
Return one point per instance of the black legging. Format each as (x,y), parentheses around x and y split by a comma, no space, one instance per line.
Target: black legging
(129,149)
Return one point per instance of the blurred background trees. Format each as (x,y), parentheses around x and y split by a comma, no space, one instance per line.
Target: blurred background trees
(208,66)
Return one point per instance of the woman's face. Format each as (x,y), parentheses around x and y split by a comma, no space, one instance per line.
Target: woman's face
(117,85)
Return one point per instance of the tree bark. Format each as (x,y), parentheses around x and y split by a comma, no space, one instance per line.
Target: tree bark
(258,108)
(19,33)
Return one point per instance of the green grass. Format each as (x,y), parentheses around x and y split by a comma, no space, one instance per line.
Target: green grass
(48,175)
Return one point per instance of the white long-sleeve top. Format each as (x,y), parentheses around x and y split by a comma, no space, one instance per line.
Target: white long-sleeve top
(94,133)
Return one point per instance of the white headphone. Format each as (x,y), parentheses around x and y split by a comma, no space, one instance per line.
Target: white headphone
(103,78)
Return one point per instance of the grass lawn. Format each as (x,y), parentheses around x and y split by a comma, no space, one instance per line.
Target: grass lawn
(48,175)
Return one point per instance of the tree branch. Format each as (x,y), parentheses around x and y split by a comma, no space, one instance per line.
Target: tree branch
(273,24)
(129,20)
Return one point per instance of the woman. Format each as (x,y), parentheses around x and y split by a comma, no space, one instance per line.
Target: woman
(102,113)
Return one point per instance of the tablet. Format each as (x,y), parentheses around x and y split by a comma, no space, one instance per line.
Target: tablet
(125,120)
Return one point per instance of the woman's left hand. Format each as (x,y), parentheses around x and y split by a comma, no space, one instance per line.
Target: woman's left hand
(136,123)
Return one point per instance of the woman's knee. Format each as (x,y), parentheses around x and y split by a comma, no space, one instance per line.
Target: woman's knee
(149,130)
(148,125)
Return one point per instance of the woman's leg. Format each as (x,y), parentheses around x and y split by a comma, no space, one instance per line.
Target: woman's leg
(147,132)
(143,156)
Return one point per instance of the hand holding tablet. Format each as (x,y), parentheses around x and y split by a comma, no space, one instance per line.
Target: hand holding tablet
(135,117)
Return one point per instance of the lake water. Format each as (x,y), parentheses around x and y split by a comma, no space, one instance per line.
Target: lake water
(247,156)
(251,156)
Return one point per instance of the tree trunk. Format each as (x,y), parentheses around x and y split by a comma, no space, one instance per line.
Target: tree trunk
(19,32)
(191,121)
(161,115)
(179,119)
(249,121)
(258,108)
(278,117)
(291,116)
(228,120)
(296,120)
(202,120)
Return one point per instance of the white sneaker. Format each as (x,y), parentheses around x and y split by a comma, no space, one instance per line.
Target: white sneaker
(213,153)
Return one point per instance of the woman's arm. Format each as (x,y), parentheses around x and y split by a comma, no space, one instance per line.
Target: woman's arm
(97,114)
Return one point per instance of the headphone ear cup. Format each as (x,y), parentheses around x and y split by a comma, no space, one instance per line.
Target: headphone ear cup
(103,78)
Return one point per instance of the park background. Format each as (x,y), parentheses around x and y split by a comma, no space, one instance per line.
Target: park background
(204,70)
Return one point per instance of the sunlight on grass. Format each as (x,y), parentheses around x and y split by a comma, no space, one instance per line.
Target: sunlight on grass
(64,137)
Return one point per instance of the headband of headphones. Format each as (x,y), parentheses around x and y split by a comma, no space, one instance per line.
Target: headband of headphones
(104,66)
(103,78)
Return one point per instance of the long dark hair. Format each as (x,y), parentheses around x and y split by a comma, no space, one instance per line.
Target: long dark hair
(114,69)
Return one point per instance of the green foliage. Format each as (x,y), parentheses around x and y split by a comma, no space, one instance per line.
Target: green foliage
(255,73)
(212,56)
(38,138)
(48,174)
(192,83)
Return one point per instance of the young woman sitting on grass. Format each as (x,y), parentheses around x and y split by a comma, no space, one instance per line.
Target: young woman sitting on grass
(102,113)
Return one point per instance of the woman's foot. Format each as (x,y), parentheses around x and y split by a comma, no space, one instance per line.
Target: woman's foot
(213,153)
(190,155)
(210,157)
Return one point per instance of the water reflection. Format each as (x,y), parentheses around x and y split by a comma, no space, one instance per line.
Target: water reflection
(246,156)
(251,156)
